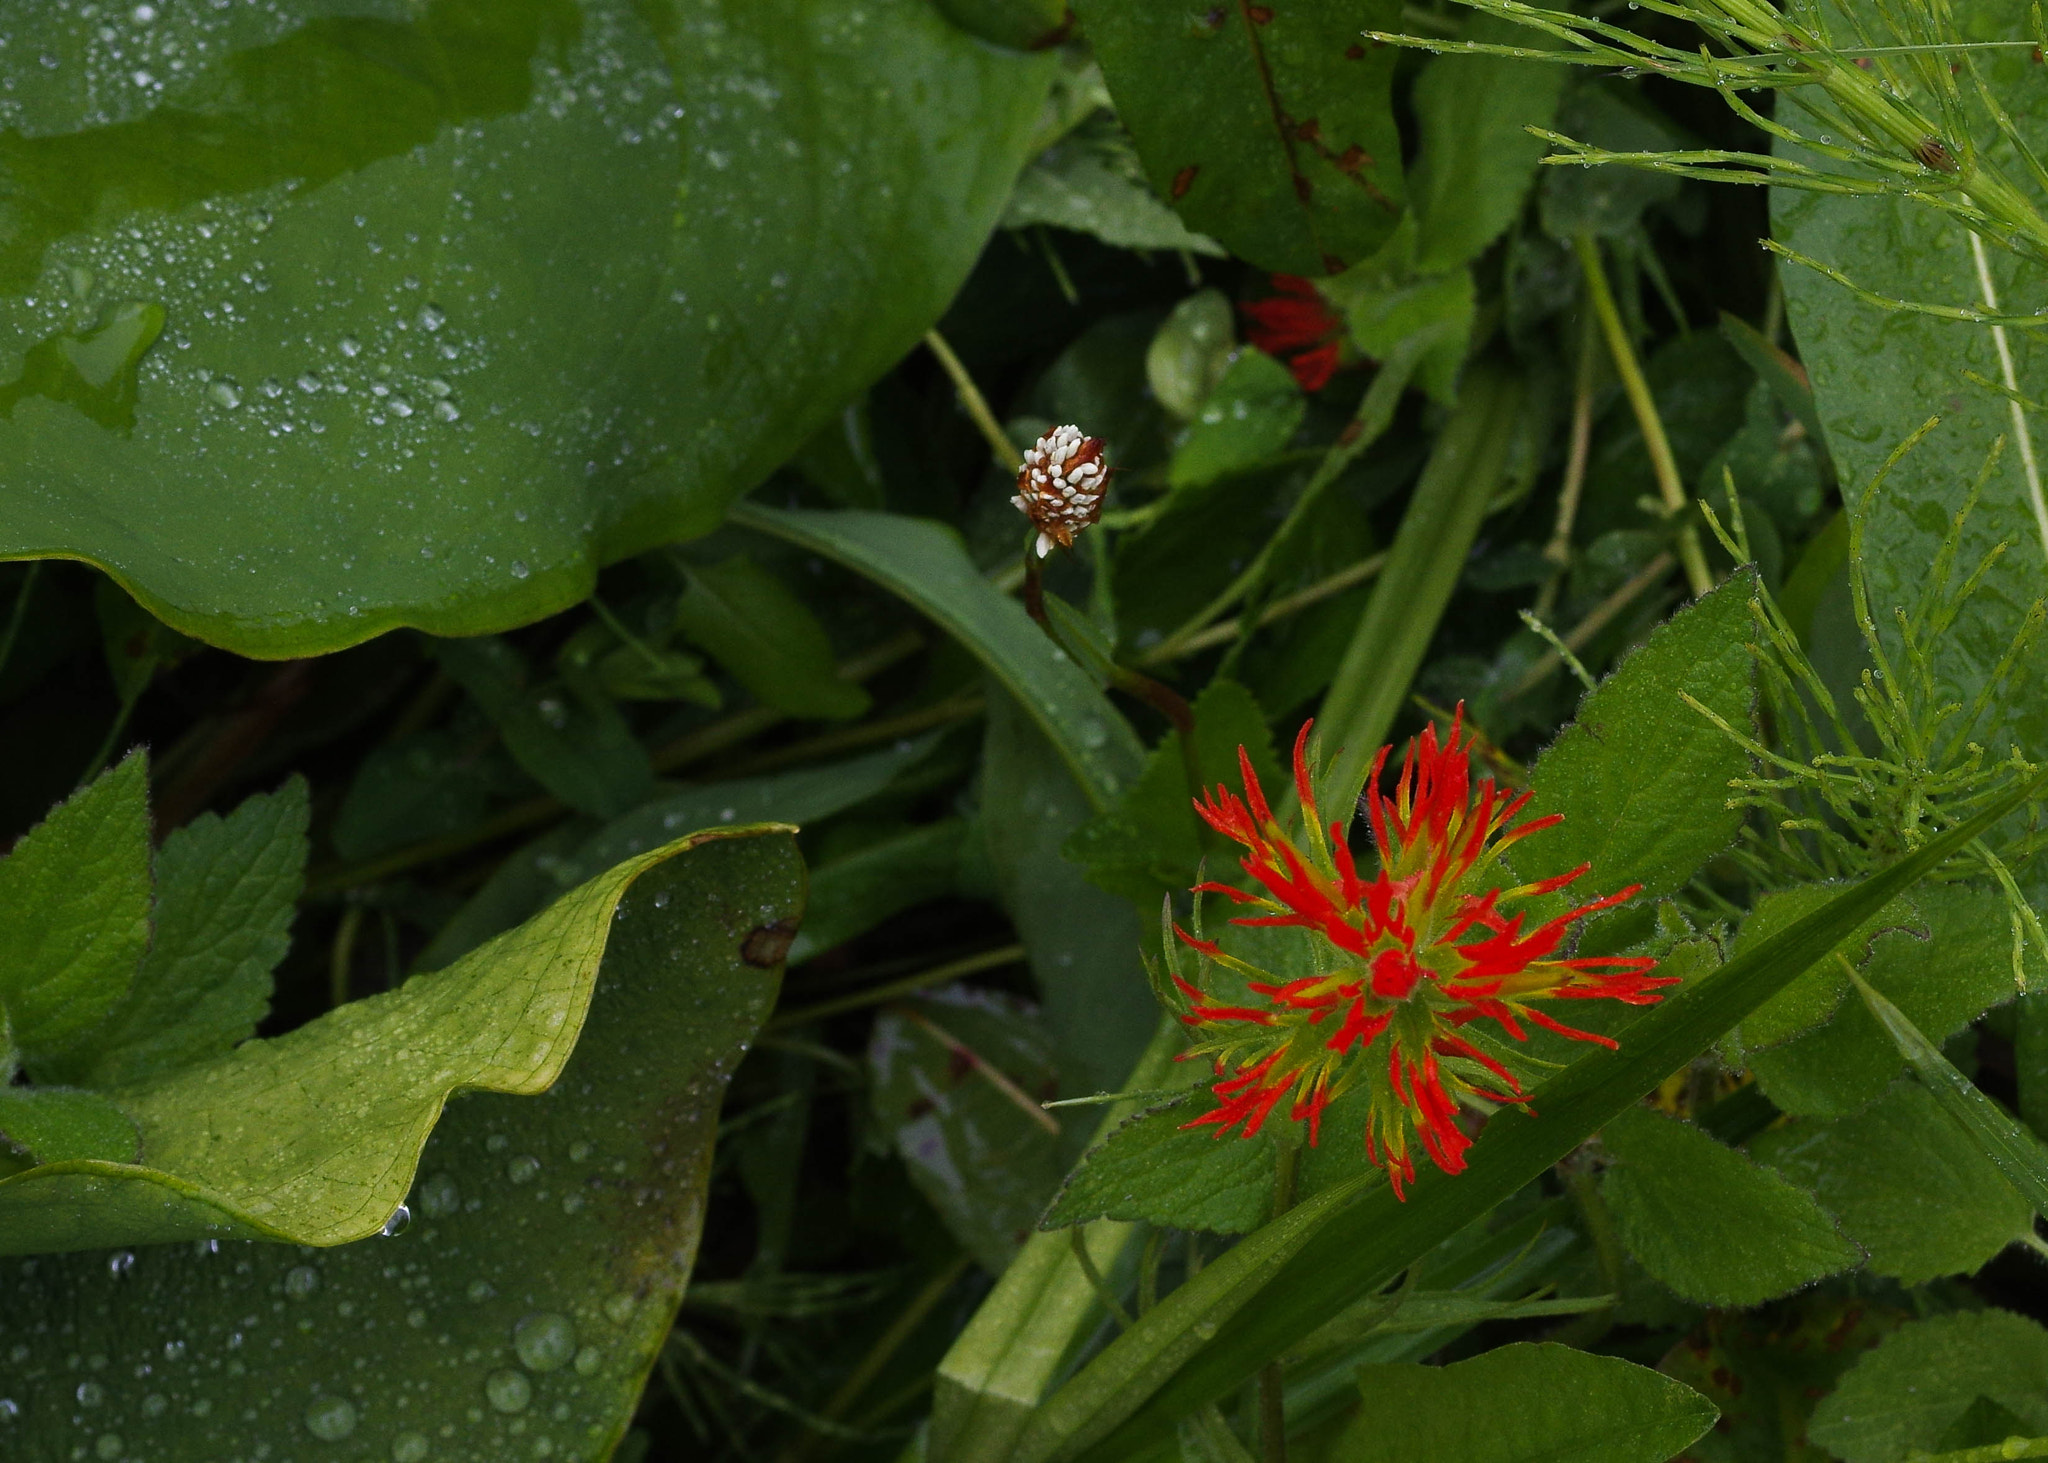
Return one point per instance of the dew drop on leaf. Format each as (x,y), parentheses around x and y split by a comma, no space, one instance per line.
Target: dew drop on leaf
(508,1390)
(331,1419)
(545,1341)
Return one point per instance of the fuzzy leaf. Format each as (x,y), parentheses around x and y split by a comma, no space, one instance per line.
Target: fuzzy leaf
(1540,1402)
(1904,1396)
(226,889)
(1708,1222)
(1641,777)
(1156,1169)
(1903,1184)
(74,915)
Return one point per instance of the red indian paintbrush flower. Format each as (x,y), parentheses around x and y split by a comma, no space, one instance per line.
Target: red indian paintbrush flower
(1408,959)
(1298,325)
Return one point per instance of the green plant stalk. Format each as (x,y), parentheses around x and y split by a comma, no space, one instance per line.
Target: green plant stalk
(1669,485)
(1991,1452)
(1290,1277)
(1004,1362)
(1462,478)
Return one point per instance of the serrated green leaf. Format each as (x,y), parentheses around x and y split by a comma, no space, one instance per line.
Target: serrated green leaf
(60,1124)
(226,889)
(766,638)
(1478,159)
(956,1078)
(485,345)
(74,916)
(1709,1223)
(1248,417)
(2018,1154)
(1269,129)
(1154,1168)
(1640,777)
(518,1312)
(1523,1403)
(1902,1397)
(313,1136)
(1091,182)
(1903,1184)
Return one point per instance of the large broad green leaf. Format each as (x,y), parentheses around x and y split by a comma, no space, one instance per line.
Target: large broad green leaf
(1523,1404)
(1708,1222)
(1269,127)
(323,318)
(1904,1184)
(927,565)
(1903,1397)
(517,1313)
(1641,777)
(1878,374)
(314,1136)
(1350,1240)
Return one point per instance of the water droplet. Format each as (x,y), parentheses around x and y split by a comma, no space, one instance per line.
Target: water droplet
(225,393)
(156,1404)
(9,1409)
(331,1419)
(108,1445)
(120,1263)
(439,1197)
(619,1309)
(351,347)
(588,1360)
(396,1224)
(447,411)
(661,900)
(143,14)
(272,387)
(524,1169)
(90,1394)
(497,1143)
(508,1390)
(519,569)
(309,383)
(431,317)
(481,1290)
(400,407)
(545,1341)
(580,1150)
(174,1351)
(409,1448)
(301,1281)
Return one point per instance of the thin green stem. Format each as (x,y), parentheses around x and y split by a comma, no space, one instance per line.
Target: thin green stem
(974,403)
(1079,1240)
(909,984)
(20,611)
(1669,485)
(1272,1383)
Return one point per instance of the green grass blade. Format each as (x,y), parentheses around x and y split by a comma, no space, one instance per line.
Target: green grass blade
(1280,1283)
(924,563)
(2017,1152)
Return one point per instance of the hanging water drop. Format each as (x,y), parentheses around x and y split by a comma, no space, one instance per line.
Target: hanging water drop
(396,1224)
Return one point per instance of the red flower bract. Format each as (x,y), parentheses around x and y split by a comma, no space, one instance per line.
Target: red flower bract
(1418,970)
(1298,326)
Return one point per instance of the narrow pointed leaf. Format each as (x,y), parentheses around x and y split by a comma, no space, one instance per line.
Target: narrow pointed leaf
(927,565)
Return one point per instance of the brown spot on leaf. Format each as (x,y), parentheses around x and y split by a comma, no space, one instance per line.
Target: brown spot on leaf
(1354,52)
(1259,14)
(766,945)
(1332,264)
(1184,180)
(1354,157)
(1302,190)
(918,1107)
(1309,131)
(959,1062)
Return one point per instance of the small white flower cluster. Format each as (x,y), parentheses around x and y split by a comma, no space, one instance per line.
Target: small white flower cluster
(1060,486)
